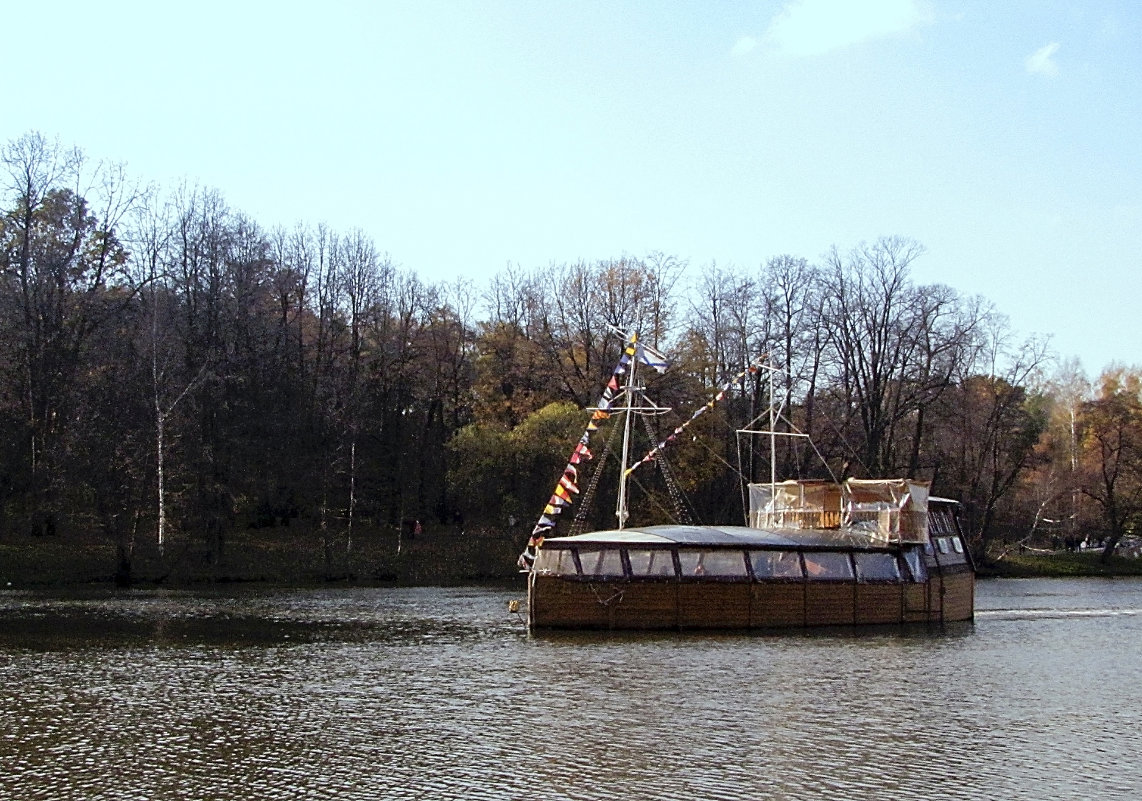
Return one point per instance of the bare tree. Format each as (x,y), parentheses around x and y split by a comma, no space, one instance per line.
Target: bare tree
(894,348)
(794,306)
(61,256)
(992,422)
(727,323)
(153,231)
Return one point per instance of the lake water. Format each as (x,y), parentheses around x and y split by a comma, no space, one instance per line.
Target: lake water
(378,693)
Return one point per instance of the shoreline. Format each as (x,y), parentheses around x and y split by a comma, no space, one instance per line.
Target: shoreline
(288,555)
(1063,564)
(298,556)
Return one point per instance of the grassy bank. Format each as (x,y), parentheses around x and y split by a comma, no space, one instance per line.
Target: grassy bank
(1062,564)
(292,555)
(297,554)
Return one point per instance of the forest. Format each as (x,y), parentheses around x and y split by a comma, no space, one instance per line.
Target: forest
(172,374)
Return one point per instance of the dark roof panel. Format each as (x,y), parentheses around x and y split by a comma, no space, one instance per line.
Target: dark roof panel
(719,535)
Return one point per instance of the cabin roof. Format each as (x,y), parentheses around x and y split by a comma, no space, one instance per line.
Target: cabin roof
(705,535)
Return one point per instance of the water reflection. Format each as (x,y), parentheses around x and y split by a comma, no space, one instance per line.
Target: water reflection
(382,693)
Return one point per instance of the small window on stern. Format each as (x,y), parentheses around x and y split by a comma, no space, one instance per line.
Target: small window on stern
(952,549)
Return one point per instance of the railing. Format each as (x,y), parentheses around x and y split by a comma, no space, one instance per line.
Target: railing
(891,525)
(796,518)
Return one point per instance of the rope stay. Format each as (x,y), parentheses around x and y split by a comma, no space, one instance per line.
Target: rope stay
(580,520)
(683,510)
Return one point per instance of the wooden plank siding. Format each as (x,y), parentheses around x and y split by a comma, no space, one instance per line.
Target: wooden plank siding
(713,604)
(879,603)
(959,597)
(777,604)
(829,603)
(557,602)
(647,605)
(916,604)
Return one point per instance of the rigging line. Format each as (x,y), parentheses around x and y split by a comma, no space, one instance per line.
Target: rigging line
(719,457)
(684,510)
(802,435)
(653,499)
(580,519)
(777,415)
(798,435)
(821,456)
(650,496)
(743,482)
(684,506)
(844,441)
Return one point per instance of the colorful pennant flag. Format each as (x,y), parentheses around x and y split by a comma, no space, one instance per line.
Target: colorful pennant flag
(652,358)
(568,482)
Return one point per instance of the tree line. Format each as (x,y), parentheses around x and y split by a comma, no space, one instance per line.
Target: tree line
(170,371)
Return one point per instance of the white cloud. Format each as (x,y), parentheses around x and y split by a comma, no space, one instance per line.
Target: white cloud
(743,46)
(1042,61)
(812,27)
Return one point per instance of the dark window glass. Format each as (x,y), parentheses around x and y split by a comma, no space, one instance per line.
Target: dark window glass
(828,565)
(605,563)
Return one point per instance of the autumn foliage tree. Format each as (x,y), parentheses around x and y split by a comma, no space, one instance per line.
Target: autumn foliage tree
(1111,436)
(171,372)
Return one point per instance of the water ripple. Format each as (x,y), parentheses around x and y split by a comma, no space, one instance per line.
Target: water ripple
(411,694)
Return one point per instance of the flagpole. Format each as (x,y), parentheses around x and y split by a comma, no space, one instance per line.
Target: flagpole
(772,433)
(621,511)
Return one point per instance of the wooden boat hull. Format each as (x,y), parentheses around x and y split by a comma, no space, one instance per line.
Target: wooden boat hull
(559,602)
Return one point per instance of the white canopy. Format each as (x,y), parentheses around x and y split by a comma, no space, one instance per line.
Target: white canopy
(890,509)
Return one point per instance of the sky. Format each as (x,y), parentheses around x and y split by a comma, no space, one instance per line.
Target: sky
(467,137)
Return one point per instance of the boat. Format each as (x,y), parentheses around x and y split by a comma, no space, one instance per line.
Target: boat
(810,553)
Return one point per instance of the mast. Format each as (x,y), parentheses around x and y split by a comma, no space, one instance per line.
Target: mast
(772,432)
(627,366)
(775,414)
(621,511)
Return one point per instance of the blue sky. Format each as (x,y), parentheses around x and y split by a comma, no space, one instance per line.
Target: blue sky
(467,136)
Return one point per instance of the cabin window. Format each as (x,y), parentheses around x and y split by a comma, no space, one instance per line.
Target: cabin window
(828,565)
(955,550)
(915,564)
(713,563)
(605,563)
(936,523)
(776,564)
(877,567)
(942,523)
(651,562)
(555,561)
